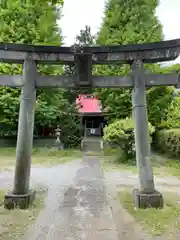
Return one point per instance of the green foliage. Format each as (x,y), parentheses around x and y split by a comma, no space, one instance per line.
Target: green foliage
(131,22)
(33,23)
(9,110)
(173,116)
(85,38)
(168,141)
(7,3)
(121,133)
(55,109)
(30,22)
(158,100)
(172,68)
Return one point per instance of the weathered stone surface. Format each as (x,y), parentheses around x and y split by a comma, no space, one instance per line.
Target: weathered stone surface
(21,201)
(105,221)
(43,81)
(147,200)
(25,129)
(148,52)
(141,133)
(79,211)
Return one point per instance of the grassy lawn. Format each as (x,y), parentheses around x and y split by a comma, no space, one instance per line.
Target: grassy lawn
(14,223)
(44,156)
(1,196)
(113,161)
(111,164)
(155,221)
(167,166)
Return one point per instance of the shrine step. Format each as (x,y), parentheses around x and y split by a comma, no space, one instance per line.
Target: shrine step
(92,145)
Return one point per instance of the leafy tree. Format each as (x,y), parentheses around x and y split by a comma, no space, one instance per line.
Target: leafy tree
(173,115)
(168,142)
(121,133)
(170,69)
(85,38)
(159,100)
(33,23)
(30,22)
(57,110)
(128,22)
(6,3)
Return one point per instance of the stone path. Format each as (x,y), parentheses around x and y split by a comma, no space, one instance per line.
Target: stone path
(76,211)
(77,206)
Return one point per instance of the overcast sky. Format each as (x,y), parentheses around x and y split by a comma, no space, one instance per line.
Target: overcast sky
(78,13)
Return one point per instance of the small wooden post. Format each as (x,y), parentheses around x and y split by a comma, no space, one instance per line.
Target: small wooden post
(21,195)
(146,196)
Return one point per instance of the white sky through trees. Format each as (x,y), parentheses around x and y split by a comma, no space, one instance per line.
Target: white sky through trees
(78,13)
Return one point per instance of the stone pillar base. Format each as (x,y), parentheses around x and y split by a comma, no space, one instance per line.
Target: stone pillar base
(147,200)
(22,201)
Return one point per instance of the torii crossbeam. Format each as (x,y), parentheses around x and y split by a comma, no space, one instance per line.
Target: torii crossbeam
(84,58)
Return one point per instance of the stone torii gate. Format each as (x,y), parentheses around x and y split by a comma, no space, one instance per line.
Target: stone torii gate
(83,58)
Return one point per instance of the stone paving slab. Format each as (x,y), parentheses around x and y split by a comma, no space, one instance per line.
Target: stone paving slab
(79,211)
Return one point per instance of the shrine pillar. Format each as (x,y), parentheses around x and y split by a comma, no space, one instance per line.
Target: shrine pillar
(146,196)
(21,195)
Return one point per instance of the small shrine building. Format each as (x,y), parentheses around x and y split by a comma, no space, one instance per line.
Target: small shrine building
(92,116)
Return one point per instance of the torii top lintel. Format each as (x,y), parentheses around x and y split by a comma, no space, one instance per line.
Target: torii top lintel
(147,52)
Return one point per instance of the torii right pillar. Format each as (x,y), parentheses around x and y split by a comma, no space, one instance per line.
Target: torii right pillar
(146,196)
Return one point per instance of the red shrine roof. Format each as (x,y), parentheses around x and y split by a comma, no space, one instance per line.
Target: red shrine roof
(87,103)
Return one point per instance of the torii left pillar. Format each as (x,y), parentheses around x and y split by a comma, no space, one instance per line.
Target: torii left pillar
(22,196)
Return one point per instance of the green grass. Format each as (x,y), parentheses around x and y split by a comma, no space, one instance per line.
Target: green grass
(167,166)
(155,221)
(110,164)
(53,156)
(2,192)
(173,167)
(44,156)
(114,160)
(14,223)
